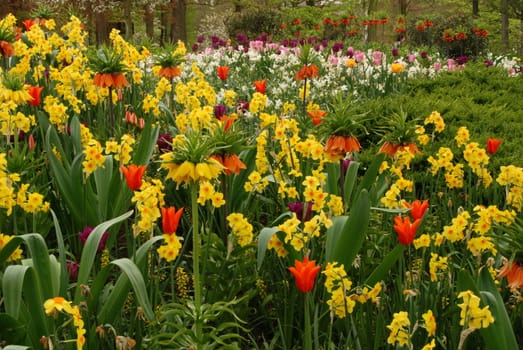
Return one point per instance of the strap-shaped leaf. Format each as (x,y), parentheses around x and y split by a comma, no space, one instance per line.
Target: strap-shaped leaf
(263,239)
(90,249)
(350,180)
(145,147)
(350,240)
(19,284)
(390,259)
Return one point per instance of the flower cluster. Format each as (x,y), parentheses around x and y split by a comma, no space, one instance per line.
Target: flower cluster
(241,229)
(59,304)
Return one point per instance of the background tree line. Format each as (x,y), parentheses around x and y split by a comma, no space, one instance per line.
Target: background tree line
(167,21)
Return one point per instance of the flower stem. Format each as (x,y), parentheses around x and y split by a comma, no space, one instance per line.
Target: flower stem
(307,337)
(196,261)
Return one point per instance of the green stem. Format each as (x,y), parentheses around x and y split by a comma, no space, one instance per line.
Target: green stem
(196,262)
(307,337)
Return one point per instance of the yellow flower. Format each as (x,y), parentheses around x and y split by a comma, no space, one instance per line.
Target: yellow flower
(430,323)
(57,304)
(399,329)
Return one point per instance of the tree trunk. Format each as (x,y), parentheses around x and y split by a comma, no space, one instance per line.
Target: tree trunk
(475,8)
(128,19)
(148,18)
(179,30)
(102,28)
(504,24)
(403,6)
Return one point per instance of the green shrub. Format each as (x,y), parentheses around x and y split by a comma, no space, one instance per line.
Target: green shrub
(254,21)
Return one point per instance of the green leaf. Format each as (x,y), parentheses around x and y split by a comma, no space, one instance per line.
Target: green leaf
(333,174)
(352,236)
(135,277)
(350,180)
(263,239)
(116,299)
(61,256)
(11,330)
(145,147)
(379,272)
(19,284)
(333,235)
(90,249)
(370,175)
(500,334)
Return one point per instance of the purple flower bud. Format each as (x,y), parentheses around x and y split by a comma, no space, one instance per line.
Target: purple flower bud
(85,234)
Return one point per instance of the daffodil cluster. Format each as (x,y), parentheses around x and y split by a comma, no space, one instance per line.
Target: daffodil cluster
(478,159)
(512,178)
(338,285)
(170,250)
(121,151)
(241,229)
(472,315)
(399,329)
(149,199)
(208,193)
(456,231)
(59,304)
(437,264)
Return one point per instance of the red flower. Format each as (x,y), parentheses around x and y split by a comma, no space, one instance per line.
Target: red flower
(222,72)
(405,229)
(35,92)
(417,208)
(6,48)
(171,219)
(316,116)
(28,23)
(133,175)
(514,273)
(305,273)
(231,162)
(260,86)
(492,145)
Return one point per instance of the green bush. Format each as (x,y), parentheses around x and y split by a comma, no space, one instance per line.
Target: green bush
(254,21)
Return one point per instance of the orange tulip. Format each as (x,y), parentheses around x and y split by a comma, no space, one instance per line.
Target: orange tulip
(417,208)
(493,145)
(514,273)
(222,72)
(260,86)
(35,92)
(305,273)
(405,229)
(133,175)
(317,116)
(170,219)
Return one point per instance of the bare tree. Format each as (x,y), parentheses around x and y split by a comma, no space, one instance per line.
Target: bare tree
(475,8)
(504,24)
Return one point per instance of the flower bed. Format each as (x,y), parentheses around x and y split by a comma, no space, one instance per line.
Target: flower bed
(214,181)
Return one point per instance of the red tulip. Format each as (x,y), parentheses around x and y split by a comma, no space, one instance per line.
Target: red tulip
(260,86)
(35,92)
(222,72)
(305,273)
(170,219)
(133,175)
(492,145)
(405,229)
(418,208)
